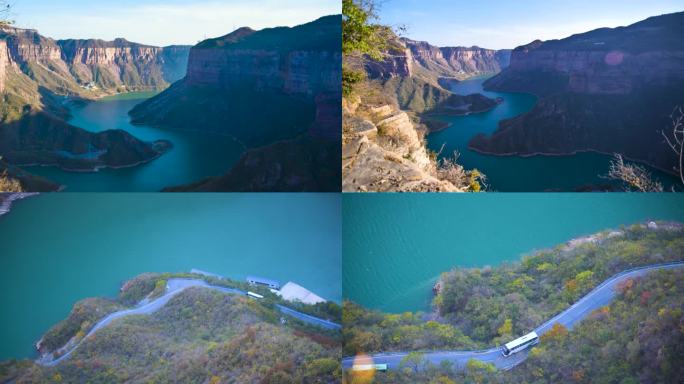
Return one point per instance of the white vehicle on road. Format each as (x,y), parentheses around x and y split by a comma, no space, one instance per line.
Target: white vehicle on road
(254,295)
(370,367)
(520,344)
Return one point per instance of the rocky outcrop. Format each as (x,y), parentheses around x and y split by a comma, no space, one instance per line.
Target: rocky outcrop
(39,138)
(397,63)
(414,74)
(303,164)
(174,61)
(110,64)
(300,60)
(383,151)
(36,71)
(619,60)
(277,91)
(418,95)
(457,62)
(383,146)
(607,90)
(285,68)
(407,58)
(4,62)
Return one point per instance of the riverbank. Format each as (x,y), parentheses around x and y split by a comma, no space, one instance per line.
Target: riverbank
(189,324)
(182,155)
(222,233)
(514,172)
(597,300)
(7,199)
(551,291)
(572,153)
(151,292)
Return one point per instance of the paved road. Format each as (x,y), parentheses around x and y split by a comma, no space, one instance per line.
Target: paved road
(597,298)
(174,287)
(308,318)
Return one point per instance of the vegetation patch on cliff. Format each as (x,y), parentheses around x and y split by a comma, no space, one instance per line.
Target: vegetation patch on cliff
(200,335)
(483,307)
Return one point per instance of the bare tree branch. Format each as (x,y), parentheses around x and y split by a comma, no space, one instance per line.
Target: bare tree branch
(676,138)
(634,176)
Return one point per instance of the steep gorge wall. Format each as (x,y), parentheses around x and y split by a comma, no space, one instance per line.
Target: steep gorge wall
(607,90)
(457,61)
(591,71)
(4,62)
(409,57)
(298,72)
(107,65)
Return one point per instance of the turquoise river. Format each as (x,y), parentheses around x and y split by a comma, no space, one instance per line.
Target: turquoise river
(514,173)
(396,245)
(195,155)
(60,248)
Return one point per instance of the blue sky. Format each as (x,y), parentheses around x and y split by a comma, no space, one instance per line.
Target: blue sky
(501,24)
(163,22)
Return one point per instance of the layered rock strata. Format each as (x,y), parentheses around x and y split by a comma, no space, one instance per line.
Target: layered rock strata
(607,90)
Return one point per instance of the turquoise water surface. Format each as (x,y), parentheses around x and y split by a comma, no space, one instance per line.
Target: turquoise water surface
(195,155)
(396,245)
(60,248)
(513,173)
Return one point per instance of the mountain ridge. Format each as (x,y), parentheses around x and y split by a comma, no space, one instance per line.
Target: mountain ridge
(604,90)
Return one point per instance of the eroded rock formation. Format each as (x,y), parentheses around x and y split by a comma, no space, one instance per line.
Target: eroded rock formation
(608,90)
(383,151)
(91,67)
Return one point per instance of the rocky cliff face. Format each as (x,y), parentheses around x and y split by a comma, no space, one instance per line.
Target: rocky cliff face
(304,67)
(4,62)
(287,69)
(89,67)
(457,62)
(383,151)
(33,69)
(609,90)
(27,45)
(408,58)
(397,64)
(40,138)
(297,72)
(174,62)
(413,73)
(604,71)
(278,91)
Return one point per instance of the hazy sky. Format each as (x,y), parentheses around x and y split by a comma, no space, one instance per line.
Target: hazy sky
(163,22)
(501,24)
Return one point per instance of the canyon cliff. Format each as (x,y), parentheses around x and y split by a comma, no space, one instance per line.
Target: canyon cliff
(284,68)
(37,75)
(457,62)
(383,150)
(4,62)
(417,75)
(385,120)
(276,90)
(90,68)
(607,90)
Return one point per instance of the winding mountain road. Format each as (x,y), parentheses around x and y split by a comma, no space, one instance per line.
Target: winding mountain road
(598,297)
(173,287)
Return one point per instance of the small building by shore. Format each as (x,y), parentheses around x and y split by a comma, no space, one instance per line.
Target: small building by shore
(255,280)
(295,292)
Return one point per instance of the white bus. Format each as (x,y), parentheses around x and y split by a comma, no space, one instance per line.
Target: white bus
(370,367)
(254,295)
(520,343)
